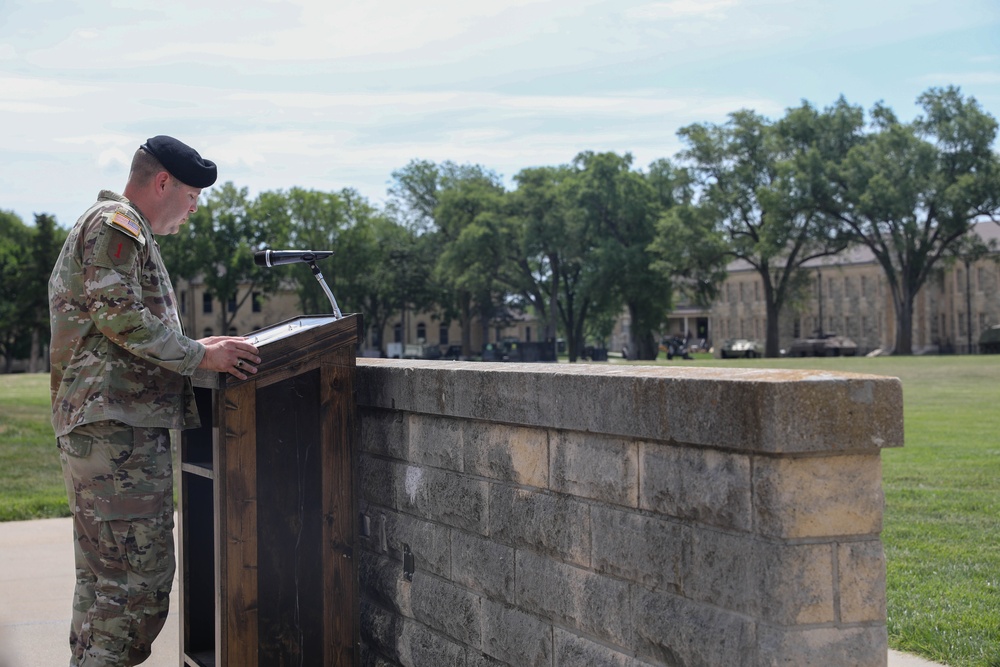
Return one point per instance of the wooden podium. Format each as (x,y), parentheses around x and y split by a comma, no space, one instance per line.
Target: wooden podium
(267,528)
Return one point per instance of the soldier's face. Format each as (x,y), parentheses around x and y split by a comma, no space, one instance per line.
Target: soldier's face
(179,202)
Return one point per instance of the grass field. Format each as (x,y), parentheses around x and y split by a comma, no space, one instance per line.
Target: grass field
(942,520)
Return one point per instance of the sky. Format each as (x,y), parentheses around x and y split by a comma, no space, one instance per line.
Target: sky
(334,94)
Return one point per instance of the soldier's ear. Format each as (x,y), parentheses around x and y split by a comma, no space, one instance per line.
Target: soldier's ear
(161,181)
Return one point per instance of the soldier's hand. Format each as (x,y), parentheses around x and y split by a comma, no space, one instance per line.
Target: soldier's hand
(229,354)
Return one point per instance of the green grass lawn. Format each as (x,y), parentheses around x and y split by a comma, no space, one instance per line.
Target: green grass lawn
(31,484)
(942,519)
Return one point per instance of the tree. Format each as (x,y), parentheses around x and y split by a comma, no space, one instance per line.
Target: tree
(911,190)
(369,274)
(622,208)
(437,202)
(759,180)
(689,247)
(16,279)
(471,232)
(46,244)
(538,211)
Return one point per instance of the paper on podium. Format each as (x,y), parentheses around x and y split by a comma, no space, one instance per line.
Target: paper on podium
(286,329)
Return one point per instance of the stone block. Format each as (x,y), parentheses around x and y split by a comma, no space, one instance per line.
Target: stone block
(671,630)
(861,570)
(574,651)
(721,570)
(704,485)
(507,453)
(579,599)
(382,583)
(429,542)
(380,629)
(818,496)
(552,524)
(797,584)
(436,442)
(637,547)
(515,637)
(444,496)
(448,608)
(822,647)
(597,467)
(483,565)
(383,432)
(377,480)
(419,646)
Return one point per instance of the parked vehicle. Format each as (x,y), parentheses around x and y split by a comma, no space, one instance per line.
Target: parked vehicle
(735,348)
(823,345)
(989,340)
(676,346)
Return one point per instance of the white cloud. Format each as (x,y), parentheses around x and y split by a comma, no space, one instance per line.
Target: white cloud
(659,11)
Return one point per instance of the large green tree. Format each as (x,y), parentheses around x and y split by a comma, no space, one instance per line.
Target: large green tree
(538,211)
(911,190)
(621,206)
(46,244)
(759,178)
(439,201)
(372,276)
(15,280)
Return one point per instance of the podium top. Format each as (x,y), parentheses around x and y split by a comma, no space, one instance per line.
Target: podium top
(290,342)
(287,328)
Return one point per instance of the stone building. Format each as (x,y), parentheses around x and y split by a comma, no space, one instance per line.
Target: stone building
(848,295)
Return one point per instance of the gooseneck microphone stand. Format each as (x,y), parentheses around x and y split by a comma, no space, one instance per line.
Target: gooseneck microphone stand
(326,288)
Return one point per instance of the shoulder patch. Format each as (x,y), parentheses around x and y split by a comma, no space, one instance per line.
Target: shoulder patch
(121,221)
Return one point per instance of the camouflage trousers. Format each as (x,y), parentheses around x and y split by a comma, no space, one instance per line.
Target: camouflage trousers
(120,487)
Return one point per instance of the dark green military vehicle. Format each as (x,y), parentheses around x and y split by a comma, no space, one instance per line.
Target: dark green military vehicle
(989,340)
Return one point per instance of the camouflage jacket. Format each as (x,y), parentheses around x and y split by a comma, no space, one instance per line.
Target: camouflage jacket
(118,349)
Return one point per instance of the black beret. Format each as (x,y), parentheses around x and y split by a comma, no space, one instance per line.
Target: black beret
(182,161)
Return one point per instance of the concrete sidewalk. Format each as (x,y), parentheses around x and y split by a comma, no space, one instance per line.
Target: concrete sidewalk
(36,585)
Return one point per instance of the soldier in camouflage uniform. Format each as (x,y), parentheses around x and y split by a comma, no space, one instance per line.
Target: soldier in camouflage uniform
(121,369)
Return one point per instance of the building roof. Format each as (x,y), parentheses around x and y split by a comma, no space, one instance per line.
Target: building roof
(862,254)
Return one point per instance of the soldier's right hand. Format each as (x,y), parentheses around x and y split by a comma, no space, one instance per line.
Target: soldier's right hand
(230,354)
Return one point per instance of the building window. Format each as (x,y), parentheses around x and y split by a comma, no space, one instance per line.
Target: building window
(206,302)
(256,304)
(231,304)
(527,334)
(397,333)
(443,334)
(233,331)
(207,332)
(421,332)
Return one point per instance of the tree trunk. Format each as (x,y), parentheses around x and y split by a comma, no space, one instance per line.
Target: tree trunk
(36,345)
(904,322)
(772,342)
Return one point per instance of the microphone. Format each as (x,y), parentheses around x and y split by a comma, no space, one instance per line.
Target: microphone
(279,257)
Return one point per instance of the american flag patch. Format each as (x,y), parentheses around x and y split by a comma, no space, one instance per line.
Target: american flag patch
(126,223)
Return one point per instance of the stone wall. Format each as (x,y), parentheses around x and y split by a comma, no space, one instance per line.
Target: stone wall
(554,515)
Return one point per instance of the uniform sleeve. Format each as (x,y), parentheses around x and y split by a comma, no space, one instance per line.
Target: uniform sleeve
(111,279)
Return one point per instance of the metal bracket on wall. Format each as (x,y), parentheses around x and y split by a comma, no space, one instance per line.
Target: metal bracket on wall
(408,565)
